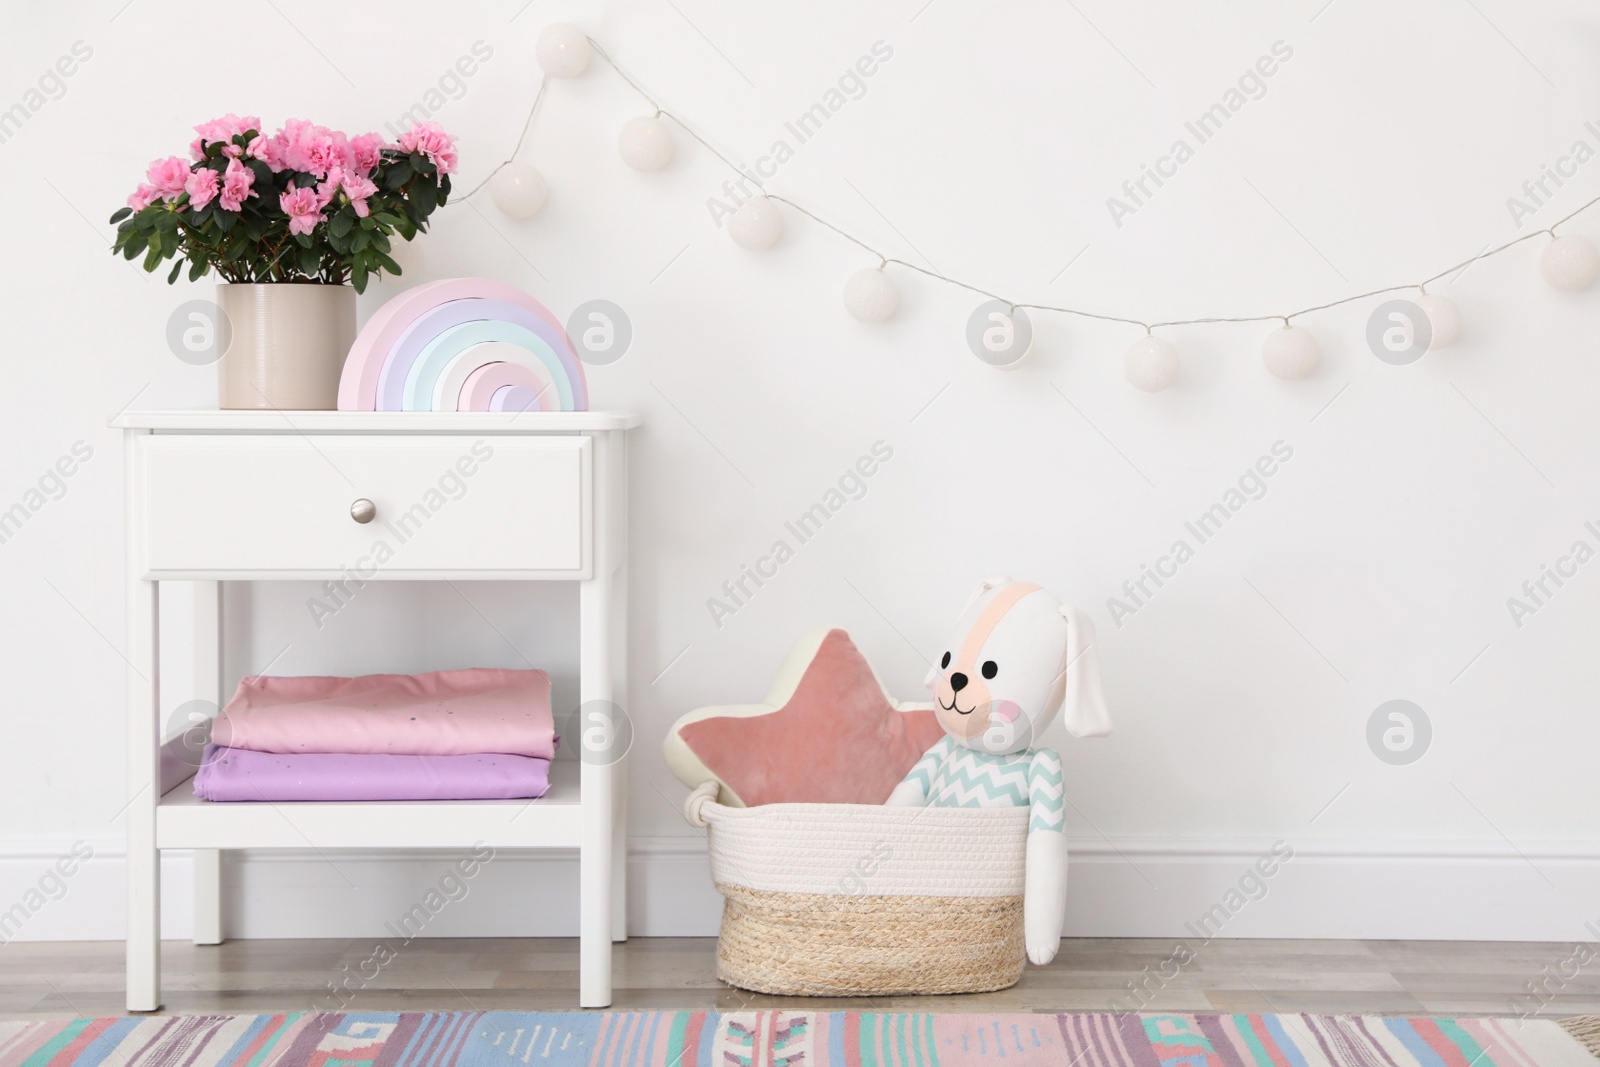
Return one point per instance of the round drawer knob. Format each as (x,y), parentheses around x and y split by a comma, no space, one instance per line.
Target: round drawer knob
(363,510)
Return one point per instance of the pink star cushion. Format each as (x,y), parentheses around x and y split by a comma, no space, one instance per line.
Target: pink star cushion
(828,733)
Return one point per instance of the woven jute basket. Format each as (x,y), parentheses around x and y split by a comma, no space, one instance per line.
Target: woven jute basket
(861,900)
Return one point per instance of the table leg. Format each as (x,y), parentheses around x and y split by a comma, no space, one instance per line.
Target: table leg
(207,685)
(144,787)
(597,803)
(208,896)
(619,663)
(619,853)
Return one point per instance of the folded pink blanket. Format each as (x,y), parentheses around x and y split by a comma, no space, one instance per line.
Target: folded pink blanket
(238,774)
(446,713)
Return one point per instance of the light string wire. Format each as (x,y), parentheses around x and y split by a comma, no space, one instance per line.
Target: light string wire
(526,126)
(886,260)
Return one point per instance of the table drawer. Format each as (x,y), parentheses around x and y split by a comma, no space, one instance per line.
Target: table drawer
(232,505)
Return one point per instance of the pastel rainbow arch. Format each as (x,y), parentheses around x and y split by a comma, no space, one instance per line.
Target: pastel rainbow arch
(463,344)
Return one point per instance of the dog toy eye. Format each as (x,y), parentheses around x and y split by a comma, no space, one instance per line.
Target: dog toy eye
(990,668)
(944,662)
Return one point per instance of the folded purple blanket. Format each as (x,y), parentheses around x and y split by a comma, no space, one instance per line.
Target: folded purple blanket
(240,774)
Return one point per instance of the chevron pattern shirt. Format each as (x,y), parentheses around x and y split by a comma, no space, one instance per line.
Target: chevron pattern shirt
(953,776)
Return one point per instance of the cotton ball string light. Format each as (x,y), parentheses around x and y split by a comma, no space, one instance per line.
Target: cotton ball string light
(1151,363)
(645,143)
(1290,352)
(870,295)
(1443,318)
(757,224)
(1570,263)
(562,50)
(518,190)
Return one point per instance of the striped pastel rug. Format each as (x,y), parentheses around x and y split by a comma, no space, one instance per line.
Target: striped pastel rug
(786,1039)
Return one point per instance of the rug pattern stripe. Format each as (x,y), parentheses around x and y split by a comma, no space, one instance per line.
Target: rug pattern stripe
(781,1038)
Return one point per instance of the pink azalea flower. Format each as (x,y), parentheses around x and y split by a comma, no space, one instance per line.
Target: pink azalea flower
(431,140)
(343,154)
(288,142)
(308,147)
(202,187)
(302,207)
(236,185)
(265,149)
(321,154)
(364,152)
(358,188)
(222,130)
(329,185)
(169,176)
(143,196)
(227,127)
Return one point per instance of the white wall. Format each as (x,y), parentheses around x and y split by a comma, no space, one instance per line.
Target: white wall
(1376,566)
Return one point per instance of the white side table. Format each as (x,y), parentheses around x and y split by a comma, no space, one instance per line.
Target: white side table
(258,496)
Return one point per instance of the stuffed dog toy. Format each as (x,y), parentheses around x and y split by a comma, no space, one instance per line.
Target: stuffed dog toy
(1018,658)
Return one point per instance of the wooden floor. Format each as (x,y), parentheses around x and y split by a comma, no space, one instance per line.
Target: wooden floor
(1420,977)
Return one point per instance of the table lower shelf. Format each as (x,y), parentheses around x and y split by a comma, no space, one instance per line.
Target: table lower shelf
(552,821)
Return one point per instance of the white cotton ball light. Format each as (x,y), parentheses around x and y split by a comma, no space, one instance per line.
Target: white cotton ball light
(870,295)
(645,143)
(562,50)
(1444,320)
(1151,364)
(518,190)
(757,224)
(1290,352)
(1570,263)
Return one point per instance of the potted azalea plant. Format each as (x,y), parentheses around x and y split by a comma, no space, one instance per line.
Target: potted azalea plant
(295,224)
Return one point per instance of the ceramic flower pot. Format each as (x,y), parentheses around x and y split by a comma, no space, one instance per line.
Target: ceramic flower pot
(287,346)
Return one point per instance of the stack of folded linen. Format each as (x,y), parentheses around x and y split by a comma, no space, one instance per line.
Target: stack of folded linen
(478,734)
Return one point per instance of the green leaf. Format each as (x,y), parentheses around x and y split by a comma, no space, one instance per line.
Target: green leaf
(369,223)
(167,221)
(358,278)
(388,264)
(398,175)
(380,241)
(152,259)
(341,223)
(177,266)
(155,242)
(225,219)
(135,245)
(362,239)
(197,268)
(386,218)
(424,198)
(120,214)
(308,262)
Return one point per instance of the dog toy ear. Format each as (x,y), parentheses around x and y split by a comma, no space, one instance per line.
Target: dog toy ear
(983,587)
(1083,705)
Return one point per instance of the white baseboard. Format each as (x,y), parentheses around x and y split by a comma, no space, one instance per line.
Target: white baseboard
(1458,890)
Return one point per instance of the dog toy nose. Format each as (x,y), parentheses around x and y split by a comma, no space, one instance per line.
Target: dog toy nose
(958,681)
